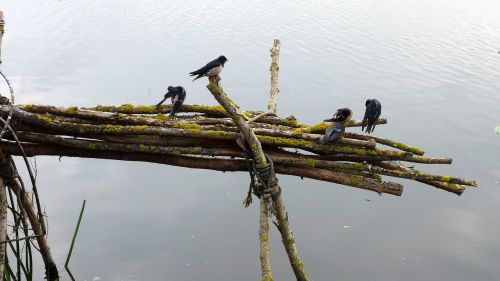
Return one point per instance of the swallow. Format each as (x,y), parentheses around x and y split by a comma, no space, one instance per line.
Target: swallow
(212,68)
(332,133)
(342,115)
(177,95)
(372,113)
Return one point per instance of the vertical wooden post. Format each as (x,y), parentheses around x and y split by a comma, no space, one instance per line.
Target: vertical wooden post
(3,190)
(3,224)
(2,25)
(275,56)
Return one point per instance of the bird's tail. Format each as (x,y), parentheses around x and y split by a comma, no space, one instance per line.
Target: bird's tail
(199,76)
(370,127)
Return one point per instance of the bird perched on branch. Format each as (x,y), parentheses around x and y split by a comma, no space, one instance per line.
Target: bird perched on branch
(372,113)
(332,133)
(177,95)
(212,68)
(342,115)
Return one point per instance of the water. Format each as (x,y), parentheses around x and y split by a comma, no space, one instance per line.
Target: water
(434,65)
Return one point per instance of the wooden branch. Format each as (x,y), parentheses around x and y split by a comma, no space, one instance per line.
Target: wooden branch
(2,30)
(9,175)
(3,222)
(399,173)
(224,165)
(260,159)
(388,142)
(321,127)
(282,159)
(255,146)
(451,187)
(211,111)
(275,55)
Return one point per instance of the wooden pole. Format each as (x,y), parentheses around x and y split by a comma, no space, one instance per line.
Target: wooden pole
(275,56)
(2,30)
(9,175)
(3,225)
(260,159)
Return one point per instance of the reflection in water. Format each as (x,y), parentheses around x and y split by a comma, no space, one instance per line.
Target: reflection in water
(433,64)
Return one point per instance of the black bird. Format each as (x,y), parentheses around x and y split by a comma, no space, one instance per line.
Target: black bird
(177,95)
(333,132)
(212,68)
(342,114)
(372,113)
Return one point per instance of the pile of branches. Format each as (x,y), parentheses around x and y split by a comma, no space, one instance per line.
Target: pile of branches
(205,137)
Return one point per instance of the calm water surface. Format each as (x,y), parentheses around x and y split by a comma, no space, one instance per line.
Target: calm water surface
(434,64)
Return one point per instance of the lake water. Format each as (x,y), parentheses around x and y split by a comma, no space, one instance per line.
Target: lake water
(434,65)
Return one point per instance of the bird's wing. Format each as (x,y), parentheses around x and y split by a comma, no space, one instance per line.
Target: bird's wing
(213,64)
(379,110)
(200,71)
(365,118)
(182,94)
(333,132)
(206,68)
(373,113)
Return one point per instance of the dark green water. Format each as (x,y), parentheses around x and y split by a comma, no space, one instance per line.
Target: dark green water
(434,65)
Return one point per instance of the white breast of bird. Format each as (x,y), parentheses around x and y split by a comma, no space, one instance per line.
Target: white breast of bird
(214,71)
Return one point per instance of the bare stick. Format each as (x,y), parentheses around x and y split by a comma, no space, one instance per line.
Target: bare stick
(10,175)
(2,26)
(204,163)
(240,121)
(275,55)
(3,223)
(255,146)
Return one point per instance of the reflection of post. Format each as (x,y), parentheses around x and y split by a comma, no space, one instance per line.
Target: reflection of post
(2,25)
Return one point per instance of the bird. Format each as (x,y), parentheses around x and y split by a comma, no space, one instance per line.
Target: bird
(212,68)
(372,113)
(341,115)
(177,95)
(333,132)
